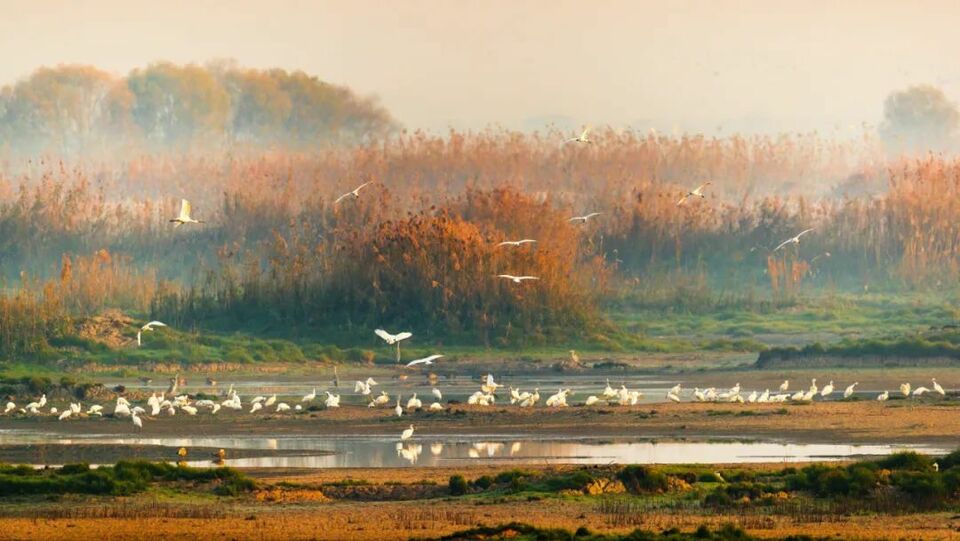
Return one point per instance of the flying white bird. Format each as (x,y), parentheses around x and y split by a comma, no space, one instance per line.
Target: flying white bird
(393,339)
(148,327)
(425,360)
(355,193)
(516,242)
(698,192)
(184,217)
(793,240)
(517,279)
(583,219)
(582,138)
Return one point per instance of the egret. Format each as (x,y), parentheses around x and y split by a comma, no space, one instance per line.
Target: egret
(392,339)
(66,413)
(184,217)
(10,407)
(784,386)
(531,400)
(848,392)
(148,327)
(516,279)
(355,193)
(380,400)
(919,391)
(398,409)
(489,386)
(332,401)
(437,393)
(516,242)
(270,401)
(676,398)
(827,390)
(436,406)
(309,397)
(753,397)
(283,406)
(813,386)
(137,422)
(583,219)
(362,388)
(414,402)
(883,396)
(257,406)
(582,138)
(591,400)
(406,434)
(793,240)
(609,392)
(698,192)
(937,387)
(675,389)
(425,361)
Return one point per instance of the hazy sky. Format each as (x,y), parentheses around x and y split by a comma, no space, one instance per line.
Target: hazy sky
(759,65)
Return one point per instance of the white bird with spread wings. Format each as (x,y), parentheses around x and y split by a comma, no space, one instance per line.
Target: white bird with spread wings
(393,339)
(148,327)
(793,240)
(583,219)
(184,217)
(355,193)
(516,279)
(516,242)
(698,192)
(582,138)
(425,361)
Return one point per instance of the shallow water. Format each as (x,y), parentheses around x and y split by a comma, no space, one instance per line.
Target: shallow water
(432,451)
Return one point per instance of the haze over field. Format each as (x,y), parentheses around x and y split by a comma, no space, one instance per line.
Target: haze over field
(698,66)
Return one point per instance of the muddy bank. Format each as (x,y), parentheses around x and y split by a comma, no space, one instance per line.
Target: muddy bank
(106,453)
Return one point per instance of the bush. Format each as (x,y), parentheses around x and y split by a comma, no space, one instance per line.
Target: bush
(906,461)
(458,485)
(639,479)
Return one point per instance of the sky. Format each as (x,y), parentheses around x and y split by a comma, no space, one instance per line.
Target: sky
(714,67)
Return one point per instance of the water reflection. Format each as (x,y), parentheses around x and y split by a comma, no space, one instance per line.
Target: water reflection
(385,451)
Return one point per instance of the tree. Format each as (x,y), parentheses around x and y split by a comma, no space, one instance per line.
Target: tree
(920,119)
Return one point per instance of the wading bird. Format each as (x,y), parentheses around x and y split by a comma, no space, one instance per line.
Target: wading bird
(355,193)
(698,192)
(883,396)
(849,390)
(148,327)
(582,138)
(937,387)
(583,219)
(793,240)
(516,279)
(425,360)
(516,242)
(184,217)
(393,339)
(406,434)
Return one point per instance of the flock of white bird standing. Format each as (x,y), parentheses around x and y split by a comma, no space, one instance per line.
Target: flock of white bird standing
(161,404)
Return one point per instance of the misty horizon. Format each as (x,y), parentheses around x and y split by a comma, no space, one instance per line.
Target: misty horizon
(692,67)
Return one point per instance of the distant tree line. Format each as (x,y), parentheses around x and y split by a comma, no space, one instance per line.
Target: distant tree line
(73,109)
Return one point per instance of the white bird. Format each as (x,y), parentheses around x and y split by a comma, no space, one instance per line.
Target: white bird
(516,279)
(270,401)
(531,400)
(10,407)
(676,398)
(609,392)
(406,434)
(436,406)
(425,361)
(332,401)
(362,387)
(813,386)
(675,389)
(393,339)
(516,242)
(753,397)
(848,392)
(257,406)
(489,386)
(137,422)
(793,240)
(148,327)
(827,390)
(591,400)
(355,193)
(380,400)
(883,396)
(66,413)
(583,219)
(784,386)
(905,389)
(184,217)
(398,409)
(919,391)
(414,402)
(309,397)
(437,393)
(582,138)
(698,192)
(283,406)
(937,387)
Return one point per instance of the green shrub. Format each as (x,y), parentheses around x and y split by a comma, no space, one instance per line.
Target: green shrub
(639,479)
(907,460)
(458,485)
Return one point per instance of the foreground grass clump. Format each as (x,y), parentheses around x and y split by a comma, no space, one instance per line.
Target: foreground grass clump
(524,532)
(123,478)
